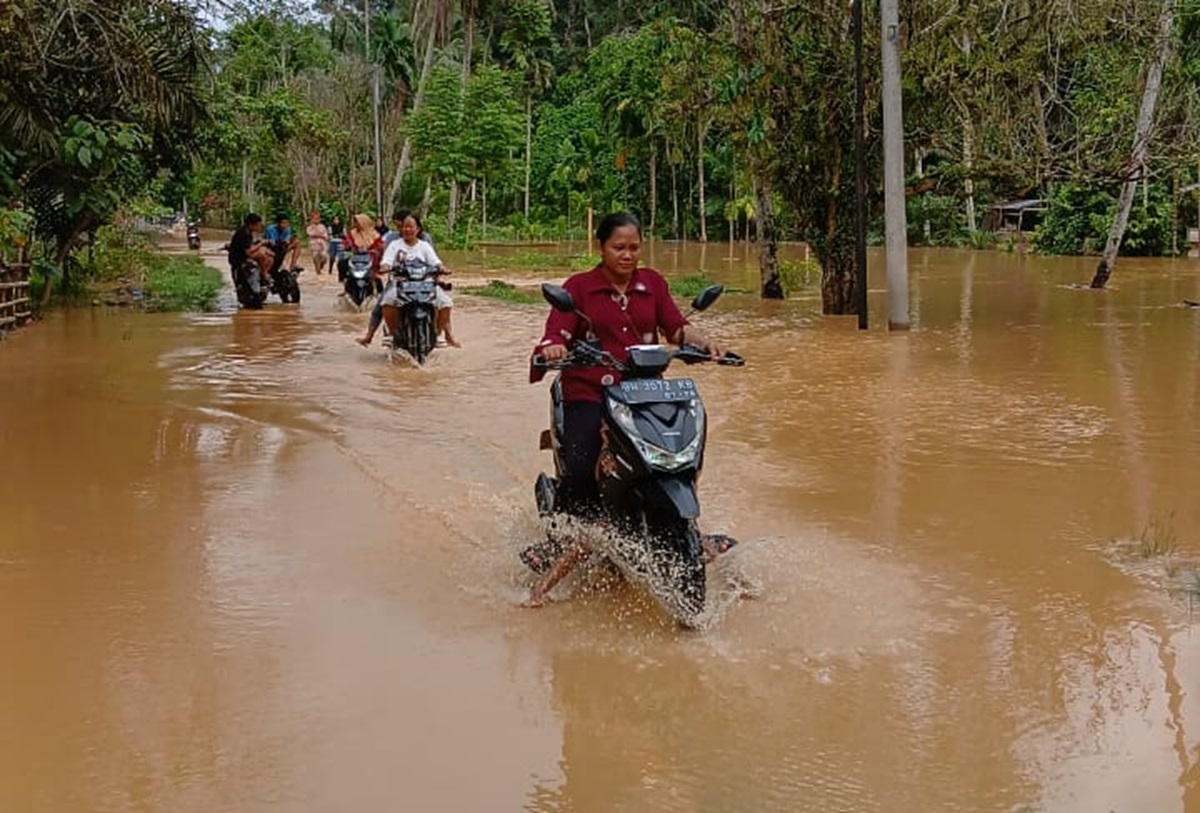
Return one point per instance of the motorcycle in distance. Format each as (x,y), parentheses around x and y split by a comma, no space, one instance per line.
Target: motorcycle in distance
(193,235)
(415,328)
(360,285)
(654,432)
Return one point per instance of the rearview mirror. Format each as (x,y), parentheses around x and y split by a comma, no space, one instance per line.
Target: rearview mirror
(558,297)
(705,298)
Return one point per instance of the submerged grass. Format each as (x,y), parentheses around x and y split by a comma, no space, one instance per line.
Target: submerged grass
(505,292)
(1157,539)
(688,287)
(799,275)
(181,284)
(1153,555)
(536,261)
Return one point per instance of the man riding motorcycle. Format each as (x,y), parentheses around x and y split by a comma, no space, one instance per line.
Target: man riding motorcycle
(246,249)
(283,243)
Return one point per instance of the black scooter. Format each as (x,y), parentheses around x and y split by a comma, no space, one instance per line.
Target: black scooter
(285,281)
(247,283)
(654,431)
(416,330)
(193,235)
(360,285)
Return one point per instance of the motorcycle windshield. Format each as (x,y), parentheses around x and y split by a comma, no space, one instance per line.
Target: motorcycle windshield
(360,267)
(415,270)
(669,426)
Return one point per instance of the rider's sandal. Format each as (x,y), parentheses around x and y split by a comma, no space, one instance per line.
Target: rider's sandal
(714,545)
(541,556)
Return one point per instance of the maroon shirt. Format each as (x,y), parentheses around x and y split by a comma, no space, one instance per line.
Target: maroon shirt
(649,311)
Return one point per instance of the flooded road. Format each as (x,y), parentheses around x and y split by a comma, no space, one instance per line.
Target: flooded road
(247,565)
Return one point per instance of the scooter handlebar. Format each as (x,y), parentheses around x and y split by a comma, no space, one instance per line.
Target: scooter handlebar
(690,354)
(585,356)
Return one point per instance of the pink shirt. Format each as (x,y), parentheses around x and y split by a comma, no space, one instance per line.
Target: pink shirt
(647,312)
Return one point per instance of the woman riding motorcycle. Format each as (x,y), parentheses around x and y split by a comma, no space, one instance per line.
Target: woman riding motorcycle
(362,237)
(627,305)
(410,245)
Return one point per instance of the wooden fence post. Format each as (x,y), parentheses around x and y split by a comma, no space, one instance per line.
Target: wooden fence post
(14,294)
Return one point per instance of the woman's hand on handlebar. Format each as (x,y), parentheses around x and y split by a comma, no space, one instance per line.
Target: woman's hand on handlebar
(691,336)
(553,352)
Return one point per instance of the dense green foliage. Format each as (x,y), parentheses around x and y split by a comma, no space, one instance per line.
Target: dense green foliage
(1079,217)
(181,284)
(97,101)
(510,118)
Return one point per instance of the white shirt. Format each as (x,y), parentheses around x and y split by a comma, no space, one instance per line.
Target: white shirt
(420,251)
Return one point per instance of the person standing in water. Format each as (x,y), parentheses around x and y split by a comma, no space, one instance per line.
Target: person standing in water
(318,241)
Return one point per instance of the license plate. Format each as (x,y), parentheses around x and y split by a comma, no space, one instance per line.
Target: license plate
(657,390)
(415,287)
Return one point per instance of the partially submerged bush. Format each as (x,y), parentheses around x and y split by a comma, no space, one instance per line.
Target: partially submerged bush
(181,284)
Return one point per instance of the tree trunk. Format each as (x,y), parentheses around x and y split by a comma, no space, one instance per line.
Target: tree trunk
(1175,213)
(653,186)
(1042,131)
(1141,143)
(66,245)
(701,133)
(926,227)
(834,243)
(528,148)
(835,253)
(675,200)
(483,204)
(452,214)
(968,128)
(768,246)
(468,39)
(427,198)
(406,150)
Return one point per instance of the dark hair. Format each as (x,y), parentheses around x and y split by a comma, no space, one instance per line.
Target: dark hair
(400,214)
(280,217)
(611,222)
(251,218)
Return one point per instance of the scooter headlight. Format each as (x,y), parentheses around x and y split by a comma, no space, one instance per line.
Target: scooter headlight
(656,456)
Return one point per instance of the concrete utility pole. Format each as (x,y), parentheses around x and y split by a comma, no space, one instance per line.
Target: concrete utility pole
(860,169)
(893,169)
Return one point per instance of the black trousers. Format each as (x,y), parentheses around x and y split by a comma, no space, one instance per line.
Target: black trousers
(577,493)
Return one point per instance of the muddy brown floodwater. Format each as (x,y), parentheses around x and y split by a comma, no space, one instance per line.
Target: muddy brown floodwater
(246,565)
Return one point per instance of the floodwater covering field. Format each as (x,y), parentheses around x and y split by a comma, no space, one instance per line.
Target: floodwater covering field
(248,565)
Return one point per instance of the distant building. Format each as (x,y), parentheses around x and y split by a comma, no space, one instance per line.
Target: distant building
(1019,216)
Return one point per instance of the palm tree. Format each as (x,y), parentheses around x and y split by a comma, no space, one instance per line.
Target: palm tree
(527,43)
(431,18)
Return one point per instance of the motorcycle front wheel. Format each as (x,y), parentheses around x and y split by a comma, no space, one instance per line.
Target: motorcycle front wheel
(679,567)
(420,338)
